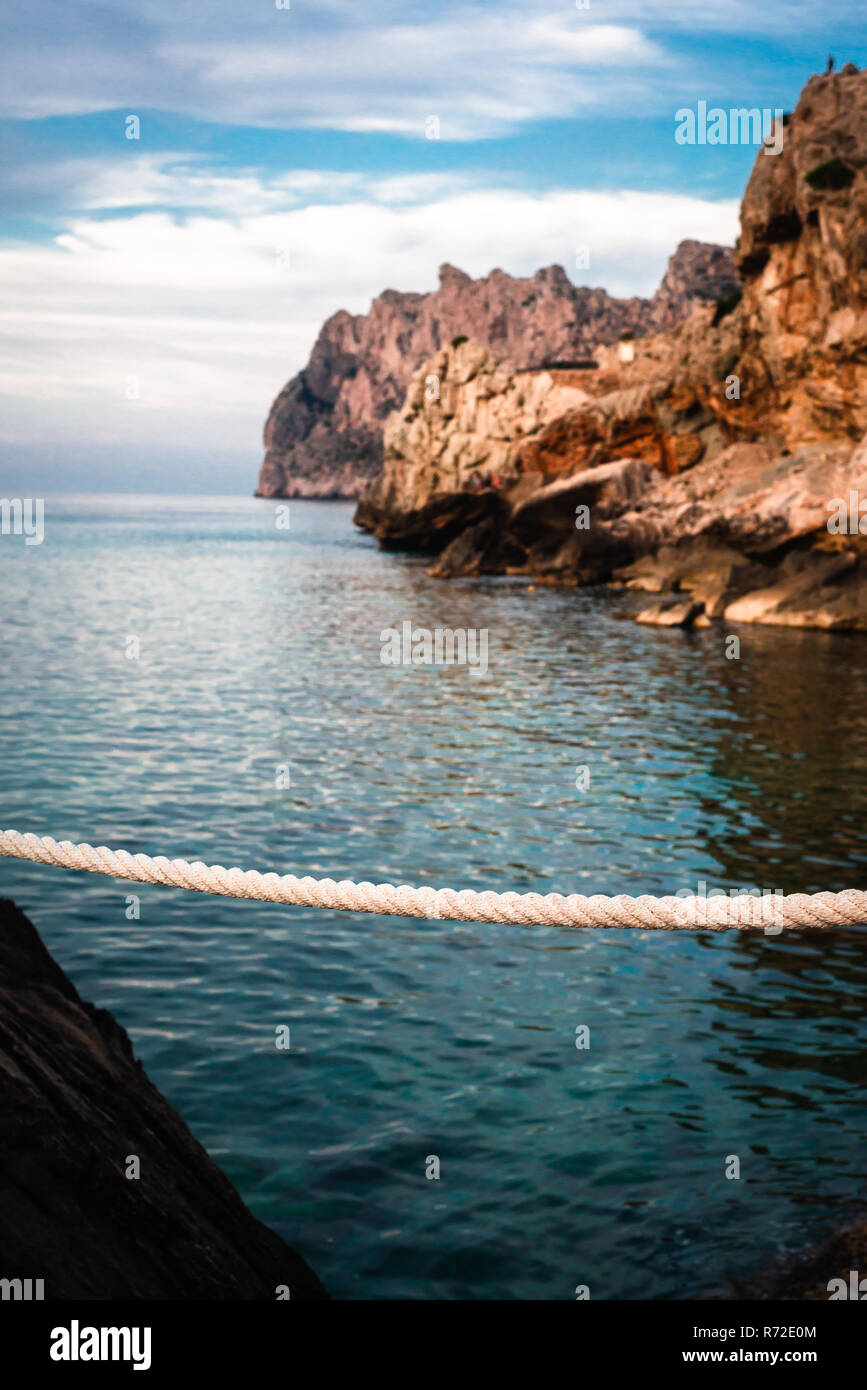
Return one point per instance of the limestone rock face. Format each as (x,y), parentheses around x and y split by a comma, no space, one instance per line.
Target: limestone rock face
(803,258)
(466,416)
(696,273)
(323,437)
(731,435)
(750,498)
(608,489)
(74,1104)
(747,534)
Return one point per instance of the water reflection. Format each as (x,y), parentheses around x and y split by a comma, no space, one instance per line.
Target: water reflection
(417,1038)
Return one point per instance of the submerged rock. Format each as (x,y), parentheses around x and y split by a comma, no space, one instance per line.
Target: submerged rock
(831,1272)
(75,1108)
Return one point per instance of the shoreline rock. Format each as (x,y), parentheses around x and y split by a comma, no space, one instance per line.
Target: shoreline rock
(74,1106)
(708,459)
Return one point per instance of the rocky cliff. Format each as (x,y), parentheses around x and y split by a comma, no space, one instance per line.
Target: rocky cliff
(74,1106)
(709,458)
(323,437)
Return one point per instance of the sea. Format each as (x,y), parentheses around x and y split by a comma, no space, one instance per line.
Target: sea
(464,1111)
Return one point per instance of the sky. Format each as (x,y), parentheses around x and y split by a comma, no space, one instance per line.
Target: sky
(190,190)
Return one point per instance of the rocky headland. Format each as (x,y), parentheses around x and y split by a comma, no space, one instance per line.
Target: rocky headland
(723,460)
(75,1108)
(323,436)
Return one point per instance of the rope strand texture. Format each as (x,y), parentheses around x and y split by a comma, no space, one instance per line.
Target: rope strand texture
(771,913)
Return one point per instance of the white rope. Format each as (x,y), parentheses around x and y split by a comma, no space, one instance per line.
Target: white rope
(770,913)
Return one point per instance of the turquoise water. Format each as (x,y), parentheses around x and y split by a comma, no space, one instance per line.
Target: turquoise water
(260,648)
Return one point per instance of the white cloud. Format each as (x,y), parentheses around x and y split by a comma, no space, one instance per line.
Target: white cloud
(212,315)
(190,183)
(482,70)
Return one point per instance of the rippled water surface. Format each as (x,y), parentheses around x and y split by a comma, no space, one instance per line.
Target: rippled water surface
(260,648)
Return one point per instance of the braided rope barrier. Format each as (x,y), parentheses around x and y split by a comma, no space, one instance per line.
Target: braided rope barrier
(744,911)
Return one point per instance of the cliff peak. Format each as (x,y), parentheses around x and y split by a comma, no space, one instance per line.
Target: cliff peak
(323,437)
(450,275)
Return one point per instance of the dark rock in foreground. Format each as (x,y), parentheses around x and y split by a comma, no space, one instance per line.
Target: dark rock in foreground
(74,1105)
